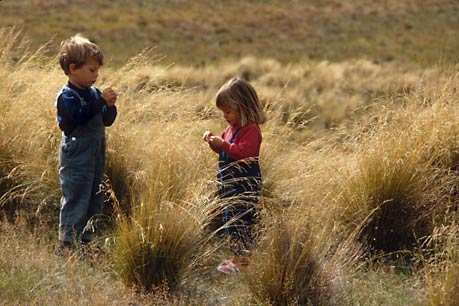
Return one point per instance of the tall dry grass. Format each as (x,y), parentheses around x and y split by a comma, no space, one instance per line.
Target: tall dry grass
(287,268)
(441,264)
(404,178)
(384,197)
(29,135)
(162,236)
(349,148)
(33,275)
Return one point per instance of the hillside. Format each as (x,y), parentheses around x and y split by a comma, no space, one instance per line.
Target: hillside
(200,31)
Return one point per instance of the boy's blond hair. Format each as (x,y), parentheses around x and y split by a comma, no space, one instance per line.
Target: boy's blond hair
(241,96)
(78,50)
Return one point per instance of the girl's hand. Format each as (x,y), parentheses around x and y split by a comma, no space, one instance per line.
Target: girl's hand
(216,142)
(109,95)
(206,136)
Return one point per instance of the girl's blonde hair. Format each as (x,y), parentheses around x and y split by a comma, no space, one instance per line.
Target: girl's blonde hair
(241,96)
(78,50)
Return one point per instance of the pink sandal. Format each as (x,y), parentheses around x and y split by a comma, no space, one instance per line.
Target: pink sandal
(228,266)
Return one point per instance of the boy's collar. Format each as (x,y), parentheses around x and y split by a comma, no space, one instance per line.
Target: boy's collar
(75,87)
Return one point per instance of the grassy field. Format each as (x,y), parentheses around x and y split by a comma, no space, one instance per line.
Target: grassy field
(359,158)
(201,32)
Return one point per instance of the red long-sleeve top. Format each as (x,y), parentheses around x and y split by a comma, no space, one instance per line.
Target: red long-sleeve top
(246,143)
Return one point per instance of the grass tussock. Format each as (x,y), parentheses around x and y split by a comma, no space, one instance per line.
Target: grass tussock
(33,275)
(156,246)
(286,269)
(385,197)
(159,239)
(403,179)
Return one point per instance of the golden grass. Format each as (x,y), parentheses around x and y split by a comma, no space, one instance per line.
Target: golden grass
(441,264)
(343,142)
(163,233)
(287,268)
(33,275)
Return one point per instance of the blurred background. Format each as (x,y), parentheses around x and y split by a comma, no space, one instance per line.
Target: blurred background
(199,32)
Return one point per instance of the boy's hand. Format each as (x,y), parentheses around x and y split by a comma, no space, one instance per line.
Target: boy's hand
(109,95)
(206,136)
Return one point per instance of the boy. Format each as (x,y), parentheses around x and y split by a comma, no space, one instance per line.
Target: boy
(82,113)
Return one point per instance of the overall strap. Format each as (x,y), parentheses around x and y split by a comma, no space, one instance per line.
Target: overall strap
(94,126)
(93,91)
(234,135)
(224,155)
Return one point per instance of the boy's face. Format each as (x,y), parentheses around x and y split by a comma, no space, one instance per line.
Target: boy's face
(231,116)
(84,76)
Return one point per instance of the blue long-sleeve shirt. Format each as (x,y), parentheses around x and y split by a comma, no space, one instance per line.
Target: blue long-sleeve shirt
(74,110)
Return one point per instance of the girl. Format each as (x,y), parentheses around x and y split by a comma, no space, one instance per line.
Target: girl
(239,177)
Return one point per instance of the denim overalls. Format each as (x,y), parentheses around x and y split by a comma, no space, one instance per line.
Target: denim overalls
(81,168)
(239,183)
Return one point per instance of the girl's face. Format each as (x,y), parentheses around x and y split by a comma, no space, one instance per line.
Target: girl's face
(85,76)
(231,115)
